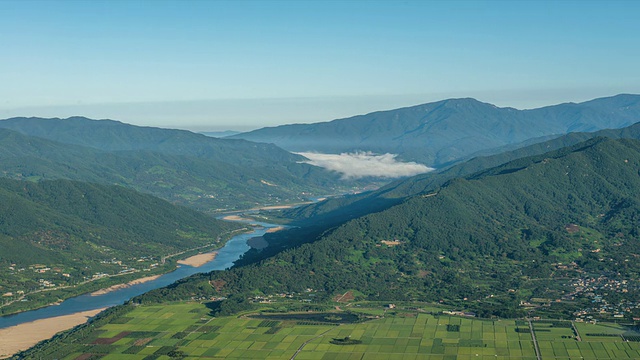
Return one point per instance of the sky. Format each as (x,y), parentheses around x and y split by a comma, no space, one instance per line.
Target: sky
(218,65)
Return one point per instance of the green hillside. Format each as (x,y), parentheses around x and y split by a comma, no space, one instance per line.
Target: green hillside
(182,167)
(519,232)
(59,233)
(340,209)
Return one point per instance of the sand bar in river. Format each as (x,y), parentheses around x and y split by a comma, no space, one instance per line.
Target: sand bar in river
(122,286)
(236,218)
(198,260)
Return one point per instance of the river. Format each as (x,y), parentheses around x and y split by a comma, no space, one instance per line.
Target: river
(231,251)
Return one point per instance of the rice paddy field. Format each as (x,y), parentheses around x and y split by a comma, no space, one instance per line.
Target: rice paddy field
(187,331)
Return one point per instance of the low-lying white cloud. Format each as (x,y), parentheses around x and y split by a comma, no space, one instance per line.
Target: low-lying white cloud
(365,164)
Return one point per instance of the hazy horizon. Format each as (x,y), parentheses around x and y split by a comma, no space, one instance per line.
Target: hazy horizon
(225,65)
(276,105)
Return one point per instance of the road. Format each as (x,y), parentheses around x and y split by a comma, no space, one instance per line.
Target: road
(535,342)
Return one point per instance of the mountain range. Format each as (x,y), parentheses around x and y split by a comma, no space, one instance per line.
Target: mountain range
(180,166)
(517,214)
(442,133)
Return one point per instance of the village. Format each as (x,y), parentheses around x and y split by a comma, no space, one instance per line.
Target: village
(593,297)
(610,297)
(35,278)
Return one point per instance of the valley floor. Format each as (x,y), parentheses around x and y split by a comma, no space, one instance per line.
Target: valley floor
(187,330)
(21,337)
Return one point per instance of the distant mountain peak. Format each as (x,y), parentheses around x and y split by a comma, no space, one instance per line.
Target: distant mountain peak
(620,101)
(441,133)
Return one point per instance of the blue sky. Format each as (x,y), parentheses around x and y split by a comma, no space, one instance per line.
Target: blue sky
(213,65)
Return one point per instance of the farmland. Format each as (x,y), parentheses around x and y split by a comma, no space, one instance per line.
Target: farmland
(187,330)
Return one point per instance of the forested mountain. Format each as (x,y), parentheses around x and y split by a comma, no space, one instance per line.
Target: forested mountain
(493,239)
(179,166)
(51,228)
(444,132)
(341,209)
(76,215)
(113,135)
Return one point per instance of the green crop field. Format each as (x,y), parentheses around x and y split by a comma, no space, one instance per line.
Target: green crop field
(180,331)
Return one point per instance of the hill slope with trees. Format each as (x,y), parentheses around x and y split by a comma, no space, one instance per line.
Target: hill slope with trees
(340,209)
(61,233)
(487,241)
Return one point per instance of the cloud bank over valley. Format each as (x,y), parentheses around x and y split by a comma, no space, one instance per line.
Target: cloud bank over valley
(365,164)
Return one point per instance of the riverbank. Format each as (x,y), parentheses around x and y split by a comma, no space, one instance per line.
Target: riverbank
(25,302)
(195,261)
(82,306)
(21,337)
(125,285)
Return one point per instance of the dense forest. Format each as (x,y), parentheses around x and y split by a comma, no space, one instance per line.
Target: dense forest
(489,240)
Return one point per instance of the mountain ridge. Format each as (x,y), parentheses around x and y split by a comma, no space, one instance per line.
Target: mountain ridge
(113,135)
(445,132)
(334,210)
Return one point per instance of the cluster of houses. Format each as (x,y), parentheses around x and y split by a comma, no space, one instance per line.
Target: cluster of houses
(596,290)
(267,299)
(51,274)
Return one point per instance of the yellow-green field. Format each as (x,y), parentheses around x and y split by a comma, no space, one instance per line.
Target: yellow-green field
(188,331)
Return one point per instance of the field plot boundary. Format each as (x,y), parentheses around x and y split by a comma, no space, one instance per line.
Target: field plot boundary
(189,330)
